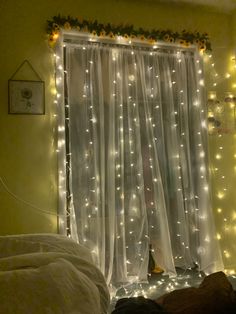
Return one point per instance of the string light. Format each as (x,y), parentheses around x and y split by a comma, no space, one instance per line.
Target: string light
(221,127)
(133,162)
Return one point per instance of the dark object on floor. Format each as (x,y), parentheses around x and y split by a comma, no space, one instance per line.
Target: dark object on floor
(215,295)
(139,305)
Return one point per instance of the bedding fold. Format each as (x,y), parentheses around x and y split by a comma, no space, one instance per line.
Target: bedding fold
(50,282)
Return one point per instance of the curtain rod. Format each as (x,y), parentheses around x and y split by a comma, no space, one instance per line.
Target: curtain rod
(76,38)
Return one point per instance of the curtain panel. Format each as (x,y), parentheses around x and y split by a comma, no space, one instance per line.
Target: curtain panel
(137,171)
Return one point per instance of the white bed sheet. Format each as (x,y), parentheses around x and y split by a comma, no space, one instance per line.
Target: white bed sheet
(49,274)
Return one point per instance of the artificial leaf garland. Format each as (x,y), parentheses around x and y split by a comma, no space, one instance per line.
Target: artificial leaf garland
(128,32)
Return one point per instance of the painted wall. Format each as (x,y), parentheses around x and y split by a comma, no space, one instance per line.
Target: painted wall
(28,171)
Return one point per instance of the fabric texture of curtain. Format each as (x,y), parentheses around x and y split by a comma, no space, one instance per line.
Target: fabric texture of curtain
(139,162)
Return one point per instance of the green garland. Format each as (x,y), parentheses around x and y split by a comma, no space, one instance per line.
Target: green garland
(128,32)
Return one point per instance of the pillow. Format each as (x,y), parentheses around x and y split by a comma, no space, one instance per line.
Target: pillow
(214,295)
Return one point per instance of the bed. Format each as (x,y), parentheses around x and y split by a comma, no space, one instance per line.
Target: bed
(49,274)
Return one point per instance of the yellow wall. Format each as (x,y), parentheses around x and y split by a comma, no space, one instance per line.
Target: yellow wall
(27,156)
(223,170)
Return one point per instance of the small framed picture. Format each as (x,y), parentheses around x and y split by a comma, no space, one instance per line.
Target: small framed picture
(26,97)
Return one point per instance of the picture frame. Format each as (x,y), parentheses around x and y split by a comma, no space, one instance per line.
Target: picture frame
(26,97)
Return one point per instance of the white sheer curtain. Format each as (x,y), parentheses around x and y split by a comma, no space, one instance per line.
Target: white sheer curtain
(138,169)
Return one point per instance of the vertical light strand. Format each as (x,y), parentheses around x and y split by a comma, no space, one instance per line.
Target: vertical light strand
(141,242)
(61,150)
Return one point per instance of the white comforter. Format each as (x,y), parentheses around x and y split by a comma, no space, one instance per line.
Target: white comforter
(49,274)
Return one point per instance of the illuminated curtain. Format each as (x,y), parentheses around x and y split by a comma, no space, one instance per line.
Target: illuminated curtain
(138,169)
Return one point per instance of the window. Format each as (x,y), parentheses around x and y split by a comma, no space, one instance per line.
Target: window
(134,163)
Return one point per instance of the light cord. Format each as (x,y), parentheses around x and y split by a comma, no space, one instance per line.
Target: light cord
(32,206)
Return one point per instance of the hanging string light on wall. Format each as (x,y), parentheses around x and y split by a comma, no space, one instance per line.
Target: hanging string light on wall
(120,33)
(65,157)
(221,126)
